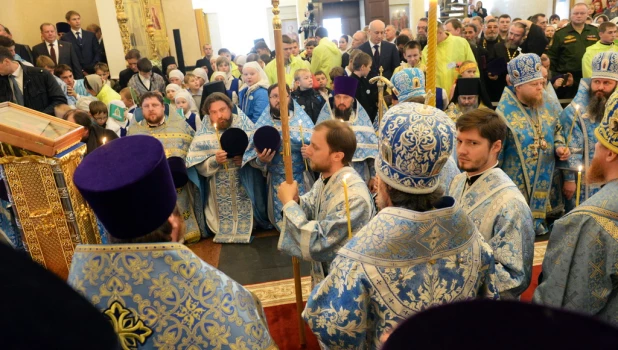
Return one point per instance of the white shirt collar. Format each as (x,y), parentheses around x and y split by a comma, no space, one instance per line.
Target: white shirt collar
(17,73)
(77,31)
(374,44)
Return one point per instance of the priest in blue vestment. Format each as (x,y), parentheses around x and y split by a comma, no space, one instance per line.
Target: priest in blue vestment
(156,293)
(584,114)
(270,162)
(534,138)
(315,225)
(580,268)
(349,110)
(226,187)
(492,200)
(421,250)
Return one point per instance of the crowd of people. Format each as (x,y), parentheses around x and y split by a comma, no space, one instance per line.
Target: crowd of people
(398,205)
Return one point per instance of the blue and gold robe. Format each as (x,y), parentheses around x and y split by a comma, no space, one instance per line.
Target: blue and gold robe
(276,169)
(229,209)
(162,296)
(530,167)
(580,268)
(503,218)
(317,227)
(401,263)
(583,141)
(366,139)
(176,136)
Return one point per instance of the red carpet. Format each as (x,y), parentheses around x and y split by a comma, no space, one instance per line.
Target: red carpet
(284,328)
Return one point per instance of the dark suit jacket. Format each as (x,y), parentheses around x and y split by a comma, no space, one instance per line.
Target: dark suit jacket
(24,52)
(389,59)
(88,52)
(67,55)
(40,89)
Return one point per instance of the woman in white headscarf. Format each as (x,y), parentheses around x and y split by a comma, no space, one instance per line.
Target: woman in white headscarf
(95,86)
(176,77)
(345,43)
(254,96)
(170,92)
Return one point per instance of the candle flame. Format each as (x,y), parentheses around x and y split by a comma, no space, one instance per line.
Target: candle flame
(580,168)
(341,120)
(215,125)
(345,178)
(104,140)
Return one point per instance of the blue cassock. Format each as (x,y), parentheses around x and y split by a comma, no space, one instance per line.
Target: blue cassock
(276,169)
(529,166)
(580,268)
(366,140)
(317,227)
(582,143)
(163,296)
(229,193)
(503,218)
(401,263)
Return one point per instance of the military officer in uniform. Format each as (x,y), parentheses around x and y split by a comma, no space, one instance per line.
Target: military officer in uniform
(569,45)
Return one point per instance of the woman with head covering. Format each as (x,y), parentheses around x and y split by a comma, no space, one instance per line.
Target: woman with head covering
(83,104)
(184,101)
(254,96)
(176,77)
(95,86)
(345,43)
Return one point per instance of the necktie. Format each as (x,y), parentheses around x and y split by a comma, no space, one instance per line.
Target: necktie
(18,97)
(52,53)
(376,58)
(79,38)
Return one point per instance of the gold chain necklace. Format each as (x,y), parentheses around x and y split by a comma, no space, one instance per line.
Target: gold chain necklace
(508,52)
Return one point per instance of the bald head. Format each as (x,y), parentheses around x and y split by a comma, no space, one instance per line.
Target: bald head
(376,31)
(358,39)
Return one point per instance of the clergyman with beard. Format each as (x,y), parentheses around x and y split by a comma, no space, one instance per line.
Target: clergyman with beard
(579,269)
(591,100)
(506,50)
(534,138)
(468,95)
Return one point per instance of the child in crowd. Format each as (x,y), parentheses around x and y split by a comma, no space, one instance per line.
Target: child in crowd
(366,93)
(304,94)
(323,89)
(176,77)
(98,112)
(193,86)
(232,84)
(102,69)
(308,53)
(201,75)
(349,69)
(118,123)
(254,96)
(466,69)
(170,93)
(127,99)
(335,72)
(233,67)
(187,108)
(46,63)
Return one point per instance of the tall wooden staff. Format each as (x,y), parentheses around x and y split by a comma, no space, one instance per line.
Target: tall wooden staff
(432,48)
(287,153)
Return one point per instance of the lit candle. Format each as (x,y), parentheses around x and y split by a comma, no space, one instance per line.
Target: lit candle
(579,185)
(302,140)
(347,205)
(219,139)
(432,49)
(104,140)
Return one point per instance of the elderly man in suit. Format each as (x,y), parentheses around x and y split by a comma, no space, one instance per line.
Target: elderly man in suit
(59,52)
(85,43)
(384,54)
